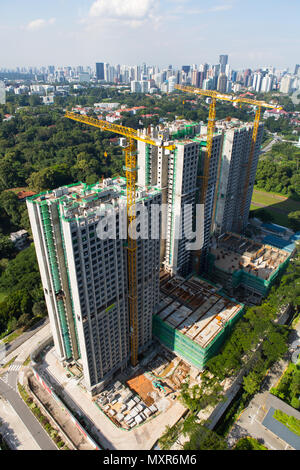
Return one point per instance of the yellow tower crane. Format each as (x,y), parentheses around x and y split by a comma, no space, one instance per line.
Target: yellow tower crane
(130,168)
(214,96)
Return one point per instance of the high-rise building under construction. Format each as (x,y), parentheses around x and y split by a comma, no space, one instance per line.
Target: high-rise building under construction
(180,176)
(84,275)
(236,178)
(175,173)
(231,178)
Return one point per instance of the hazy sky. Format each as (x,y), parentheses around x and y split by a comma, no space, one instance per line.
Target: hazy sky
(81,32)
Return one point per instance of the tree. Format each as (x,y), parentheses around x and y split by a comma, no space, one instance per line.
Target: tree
(10,204)
(170,436)
(50,178)
(275,346)
(252,383)
(189,425)
(21,272)
(39,309)
(6,246)
(34,100)
(205,439)
(294,218)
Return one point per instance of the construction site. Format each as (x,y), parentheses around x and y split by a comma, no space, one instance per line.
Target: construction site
(193,318)
(238,262)
(127,335)
(143,394)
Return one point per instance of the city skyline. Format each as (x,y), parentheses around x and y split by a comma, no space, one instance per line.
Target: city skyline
(74,33)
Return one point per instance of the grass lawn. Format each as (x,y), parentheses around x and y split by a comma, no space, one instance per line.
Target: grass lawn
(276,217)
(276,205)
(3,296)
(12,336)
(293,424)
(268,199)
(10,362)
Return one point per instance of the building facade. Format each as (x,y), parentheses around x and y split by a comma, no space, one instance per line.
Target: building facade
(2,93)
(234,192)
(84,276)
(175,173)
(100,71)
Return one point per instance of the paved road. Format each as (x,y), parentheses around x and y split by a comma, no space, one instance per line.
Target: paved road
(11,376)
(268,147)
(25,336)
(31,423)
(14,430)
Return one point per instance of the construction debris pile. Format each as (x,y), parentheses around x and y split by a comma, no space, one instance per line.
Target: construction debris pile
(146,393)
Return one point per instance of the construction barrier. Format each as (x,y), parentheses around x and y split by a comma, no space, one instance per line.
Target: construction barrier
(65,408)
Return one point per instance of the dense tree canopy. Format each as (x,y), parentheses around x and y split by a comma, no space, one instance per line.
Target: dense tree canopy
(279,170)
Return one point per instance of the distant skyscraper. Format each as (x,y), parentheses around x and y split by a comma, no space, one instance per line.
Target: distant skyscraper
(100,71)
(286,84)
(171,83)
(297,69)
(223,62)
(267,84)
(136,86)
(247,76)
(186,69)
(234,76)
(257,80)
(2,93)
(222,83)
(195,78)
(207,84)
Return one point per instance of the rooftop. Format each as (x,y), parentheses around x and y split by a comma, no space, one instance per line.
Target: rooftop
(233,252)
(80,199)
(195,308)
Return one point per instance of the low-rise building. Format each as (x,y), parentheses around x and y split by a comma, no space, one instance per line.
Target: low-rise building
(193,318)
(244,266)
(19,239)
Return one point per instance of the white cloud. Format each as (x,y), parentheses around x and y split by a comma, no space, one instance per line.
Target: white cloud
(122,9)
(38,24)
(221,7)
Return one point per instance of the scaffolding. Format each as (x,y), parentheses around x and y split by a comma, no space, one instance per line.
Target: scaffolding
(48,233)
(69,284)
(245,279)
(147,164)
(188,349)
(187,131)
(172,206)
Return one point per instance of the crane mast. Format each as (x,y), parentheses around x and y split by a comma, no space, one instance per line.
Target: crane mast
(131,175)
(214,96)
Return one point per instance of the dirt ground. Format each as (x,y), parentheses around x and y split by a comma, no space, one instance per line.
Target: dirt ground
(61,416)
